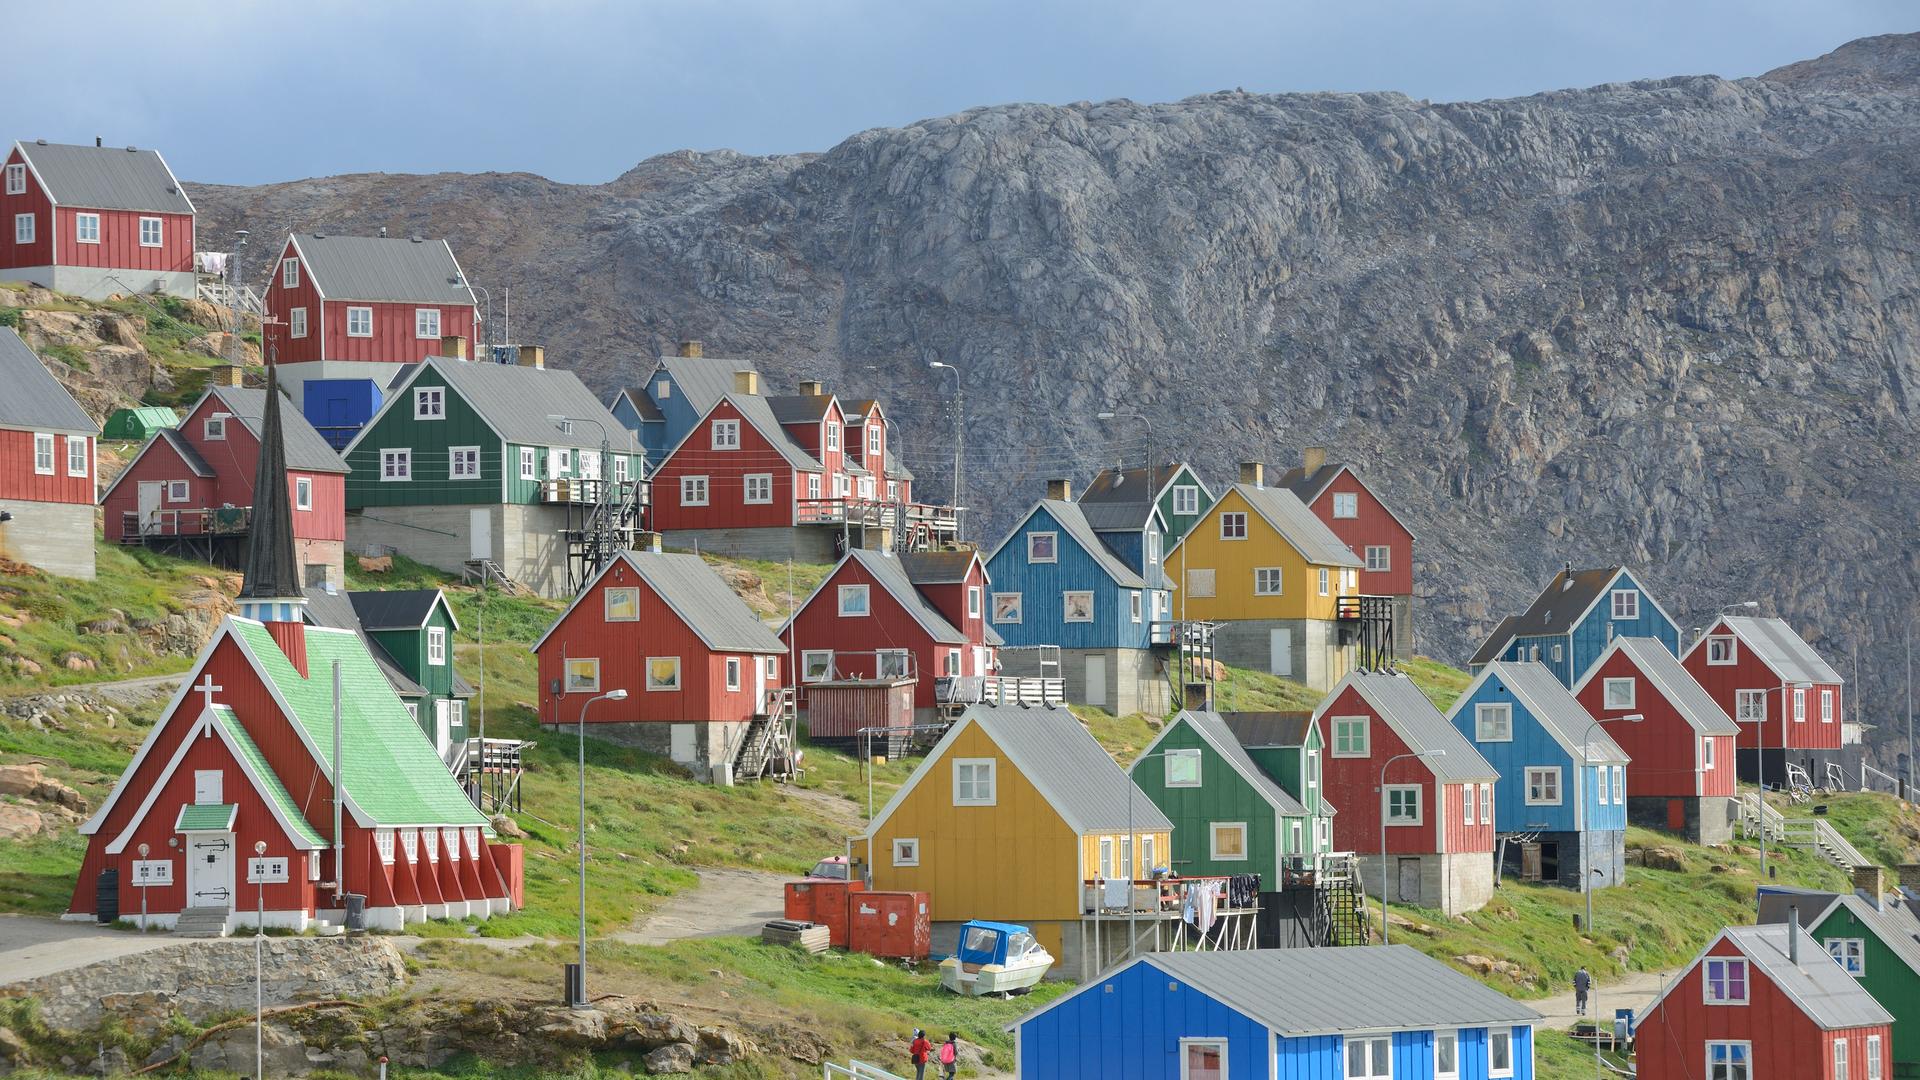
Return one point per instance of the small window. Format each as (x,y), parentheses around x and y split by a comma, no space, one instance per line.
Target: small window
(757,488)
(426,323)
(1873,1057)
(663,673)
(1619,693)
(559,462)
(86,228)
(973,782)
(1403,804)
(1729,1061)
(359,322)
(1006,607)
(1350,736)
(621,471)
(875,439)
(621,604)
(396,465)
(214,427)
(816,665)
(1183,768)
(1346,504)
(1725,981)
(303,493)
(951,666)
(973,601)
(23,228)
(1721,650)
(1500,1053)
(1620,784)
(1626,604)
(1486,804)
(463,463)
(1379,557)
(1543,786)
(1849,953)
(726,434)
(17,179)
(1446,1055)
(1200,584)
(177,491)
(1324,589)
(297,322)
(833,435)
(290,274)
(529,464)
(813,485)
(1229,841)
(854,601)
(583,676)
(693,491)
(1826,696)
(1233,526)
(1266,581)
(151,231)
(1077,607)
(1133,603)
(1799,706)
(430,403)
(906,851)
(1706,752)
(437,646)
(733,673)
(1750,706)
(1043,547)
(1466,805)
(1493,722)
(1186,499)
(76,455)
(891,663)
(1369,1057)
(1604,791)
(1840,1059)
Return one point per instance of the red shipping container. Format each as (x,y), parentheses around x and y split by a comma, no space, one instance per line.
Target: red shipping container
(822,900)
(891,924)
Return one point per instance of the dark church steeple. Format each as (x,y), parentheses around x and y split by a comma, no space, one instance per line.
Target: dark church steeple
(271,592)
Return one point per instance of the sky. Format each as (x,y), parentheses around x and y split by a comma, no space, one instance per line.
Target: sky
(581,90)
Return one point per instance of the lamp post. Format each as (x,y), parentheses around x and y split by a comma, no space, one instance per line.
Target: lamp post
(143,892)
(1760,758)
(259,995)
(1380,789)
(580,986)
(959,439)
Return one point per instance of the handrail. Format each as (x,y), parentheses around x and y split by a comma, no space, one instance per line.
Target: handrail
(856,1070)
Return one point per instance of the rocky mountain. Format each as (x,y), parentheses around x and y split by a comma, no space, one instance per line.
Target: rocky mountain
(1669,323)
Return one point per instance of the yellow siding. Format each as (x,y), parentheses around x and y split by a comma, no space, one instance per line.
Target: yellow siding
(1162,851)
(1233,563)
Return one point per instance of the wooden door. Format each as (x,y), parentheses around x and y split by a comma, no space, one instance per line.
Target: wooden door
(149,505)
(210,870)
(1676,815)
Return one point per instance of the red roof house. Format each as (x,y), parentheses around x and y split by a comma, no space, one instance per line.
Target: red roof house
(95,221)
(1368,526)
(1778,690)
(47,466)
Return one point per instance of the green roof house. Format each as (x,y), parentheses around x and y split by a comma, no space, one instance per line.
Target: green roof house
(410,633)
(139,423)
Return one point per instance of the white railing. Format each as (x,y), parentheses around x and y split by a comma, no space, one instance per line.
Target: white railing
(1753,811)
(1023,690)
(1820,837)
(1868,774)
(856,1070)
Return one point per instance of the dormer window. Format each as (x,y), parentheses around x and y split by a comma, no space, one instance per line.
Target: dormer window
(726,434)
(876,439)
(833,435)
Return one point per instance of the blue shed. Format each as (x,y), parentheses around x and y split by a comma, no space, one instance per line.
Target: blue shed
(1291,1014)
(1561,802)
(1575,618)
(339,408)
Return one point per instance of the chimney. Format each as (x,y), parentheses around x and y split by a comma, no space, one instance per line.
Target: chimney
(1909,875)
(228,375)
(383,232)
(97,142)
(1566,578)
(812,388)
(653,541)
(533,356)
(746,381)
(1061,490)
(1793,934)
(1871,883)
(1253,472)
(454,346)
(691,347)
(1312,458)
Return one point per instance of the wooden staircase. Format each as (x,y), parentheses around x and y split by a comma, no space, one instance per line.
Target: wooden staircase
(1820,837)
(1340,899)
(766,750)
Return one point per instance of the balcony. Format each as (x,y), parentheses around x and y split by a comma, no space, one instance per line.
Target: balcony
(587,491)
(195,521)
(875,514)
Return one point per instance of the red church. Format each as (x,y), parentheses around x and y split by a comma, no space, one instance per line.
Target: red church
(190,491)
(1368,526)
(1778,690)
(47,466)
(229,807)
(95,221)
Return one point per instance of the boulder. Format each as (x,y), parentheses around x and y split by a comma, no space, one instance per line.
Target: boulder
(652,1030)
(17,822)
(1665,858)
(671,1059)
(722,1046)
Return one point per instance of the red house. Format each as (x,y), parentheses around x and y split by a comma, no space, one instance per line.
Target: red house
(46,466)
(702,675)
(95,221)
(1764,1001)
(1784,697)
(1682,772)
(1438,807)
(882,616)
(190,490)
(1370,529)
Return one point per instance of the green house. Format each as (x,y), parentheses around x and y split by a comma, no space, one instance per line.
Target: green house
(410,634)
(1876,943)
(1287,747)
(1229,816)
(1182,498)
(139,423)
(474,462)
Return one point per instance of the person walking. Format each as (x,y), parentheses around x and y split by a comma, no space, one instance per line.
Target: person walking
(950,1055)
(918,1053)
(1581,983)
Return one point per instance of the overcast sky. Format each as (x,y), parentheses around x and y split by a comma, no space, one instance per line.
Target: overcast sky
(580,90)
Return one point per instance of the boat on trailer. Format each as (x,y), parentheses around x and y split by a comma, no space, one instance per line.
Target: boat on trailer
(994,958)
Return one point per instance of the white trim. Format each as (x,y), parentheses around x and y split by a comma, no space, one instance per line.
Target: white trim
(1183,753)
(454,456)
(911,859)
(845,593)
(205,720)
(678,684)
(993,781)
(1496,1029)
(436,646)
(606,603)
(747,484)
(438,324)
(1559,788)
(1216,1040)
(1279,581)
(403,456)
(1746,980)
(1732,642)
(1453,1073)
(1419,805)
(1609,751)
(86,457)
(79,227)
(1053,557)
(1366,736)
(626,559)
(1066,606)
(356,310)
(1746,1057)
(807,656)
(1609,685)
(566,675)
(160,230)
(1492,708)
(45,438)
(1259,783)
(303,493)
(1213,841)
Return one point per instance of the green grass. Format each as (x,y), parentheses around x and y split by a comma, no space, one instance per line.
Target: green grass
(1885,829)
(764,584)
(1557,1056)
(1443,685)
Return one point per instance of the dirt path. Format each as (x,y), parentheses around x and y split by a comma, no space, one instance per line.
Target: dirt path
(35,945)
(842,812)
(1635,992)
(726,902)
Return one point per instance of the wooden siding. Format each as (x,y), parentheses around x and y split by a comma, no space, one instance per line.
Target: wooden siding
(1581,646)
(277,344)
(820,626)
(33,201)
(725,471)
(1130,1027)
(1178,525)
(1749,672)
(119,246)
(1233,563)
(1350,782)
(431,442)
(1664,747)
(1223,797)
(1888,978)
(1043,587)
(19,481)
(1533,746)
(1373,527)
(393,340)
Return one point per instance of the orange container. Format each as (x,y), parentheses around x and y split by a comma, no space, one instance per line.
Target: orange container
(890,924)
(830,906)
(800,900)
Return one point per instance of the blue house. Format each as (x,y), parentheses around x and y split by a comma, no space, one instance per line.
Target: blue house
(1135,531)
(1560,806)
(681,389)
(1301,1014)
(1059,586)
(1573,621)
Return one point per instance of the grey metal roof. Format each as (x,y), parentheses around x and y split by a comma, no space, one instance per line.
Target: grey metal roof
(755,410)
(1128,485)
(1824,991)
(1117,516)
(938,567)
(1495,643)
(1074,522)
(398,609)
(1556,710)
(1264,729)
(1214,730)
(107,178)
(1309,485)
(1786,652)
(35,400)
(1291,518)
(643,406)
(702,380)
(897,471)
(384,269)
(1677,685)
(1075,774)
(893,577)
(1421,726)
(1892,922)
(516,401)
(180,445)
(800,408)
(336,609)
(304,447)
(703,601)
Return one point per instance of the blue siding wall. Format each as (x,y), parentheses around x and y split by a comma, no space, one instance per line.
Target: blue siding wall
(680,416)
(1314,1058)
(652,434)
(1043,586)
(1522,648)
(339,408)
(1598,630)
(1531,746)
(1134,1032)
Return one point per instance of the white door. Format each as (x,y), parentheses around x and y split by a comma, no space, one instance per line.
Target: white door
(210,870)
(442,726)
(208,786)
(1280,652)
(1097,680)
(760,684)
(680,743)
(480,534)
(150,492)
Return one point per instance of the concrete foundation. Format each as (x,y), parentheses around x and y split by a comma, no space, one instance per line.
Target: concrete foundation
(801,543)
(1308,651)
(1769,766)
(1702,820)
(705,748)
(1403,627)
(528,542)
(322,562)
(1126,681)
(1566,857)
(95,283)
(56,537)
(1450,883)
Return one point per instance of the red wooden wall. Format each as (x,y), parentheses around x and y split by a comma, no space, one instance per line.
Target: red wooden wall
(19,481)
(819,625)
(951,600)
(1374,526)
(725,471)
(119,244)
(1350,783)
(33,201)
(393,340)
(277,343)
(1749,672)
(1664,747)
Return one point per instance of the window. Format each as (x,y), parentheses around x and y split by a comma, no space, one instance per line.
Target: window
(437,646)
(1369,1057)
(813,485)
(906,851)
(1849,953)
(1147,853)
(1826,696)
(893,491)
(1346,504)
(1493,722)
(1543,786)
(86,228)
(1077,606)
(463,463)
(1486,804)
(1466,805)
(1043,547)
(833,435)
(1183,768)
(1601,781)
(177,491)
(1006,607)
(1379,557)
(1799,706)
(891,663)
(1133,603)
(1840,1059)
(151,231)
(952,663)
(1186,499)
(303,493)
(973,782)
(973,601)
(1729,1060)
(43,454)
(297,322)
(1873,1057)
(1619,693)
(726,434)
(1499,1053)
(663,673)
(426,323)
(816,665)
(1750,706)
(430,403)
(1720,650)
(76,455)
(853,601)
(1349,736)
(1203,1059)
(1725,982)
(733,673)
(620,474)
(1706,752)
(1620,784)
(1446,1055)
(23,228)
(1233,526)
(875,440)
(1199,583)
(1153,547)
(359,322)
(583,676)
(1403,804)
(1229,841)
(290,274)
(621,605)
(693,491)
(758,488)
(529,464)
(17,179)
(1626,604)
(1323,581)
(1266,581)
(396,465)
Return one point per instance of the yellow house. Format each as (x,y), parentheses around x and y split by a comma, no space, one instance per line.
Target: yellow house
(1272,575)
(1009,817)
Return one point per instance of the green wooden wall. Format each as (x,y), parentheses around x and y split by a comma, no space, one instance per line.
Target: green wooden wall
(1223,796)
(1178,525)
(1891,982)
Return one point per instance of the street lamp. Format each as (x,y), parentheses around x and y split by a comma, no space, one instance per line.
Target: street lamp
(1380,789)
(259,995)
(959,439)
(579,987)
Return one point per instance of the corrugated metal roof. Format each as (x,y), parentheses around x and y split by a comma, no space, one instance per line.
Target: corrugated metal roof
(1824,991)
(215,817)
(800,408)
(1263,729)
(1676,684)
(1783,650)
(1117,516)
(893,577)
(1421,725)
(35,400)
(755,410)
(938,567)
(1495,643)
(1074,522)
(1893,922)
(1214,730)
(1563,601)
(304,448)
(643,406)
(392,269)
(1309,485)
(1292,520)
(1126,485)
(270,783)
(398,609)
(703,601)
(107,178)
(1075,774)
(336,609)
(703,380)
(1556,710)
(516,401)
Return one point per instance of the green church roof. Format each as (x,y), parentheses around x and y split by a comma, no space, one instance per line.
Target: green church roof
(269,780)
(206,817)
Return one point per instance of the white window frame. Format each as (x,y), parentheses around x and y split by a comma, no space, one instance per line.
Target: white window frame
(1379,558)
(429,403)
(733,669)
(974,598)
(854,601)
(560,462)
(396,465)
(756,489)
(1603,793)
(950,663)
(362,319)
(297,323)
(303,493)
(178,491)
(693,491)
(463,463)
(621,468)
(159,232)
(832,435)
(1419,805)
(991,769)
(626,597)
(810,657)
(1453,1038)
(1186,499)
(658,686)
(426,323)
(1486,804)
(1220,1044)
(79,467)
(892,663)
(1842,1064)
(1799,706)
(1133,604)
(1012,616)
(1727,965)
(726,435)
(1745,1063)
(1493,721)
(1050,540)
(529,463)
(1325,582)
(17,179)
(876,440)
(25,229)
(1335,725)
(1723,650)
(214,427)
(437,646)
(1750,706)
(290,273)
(1268,581)
(580,686)
(1873,1058)
(906,851)
(1215,828)
(1557,652)
(1849,953)
(86,228)
(1618,693)
(1706,752)
(1466,805)
(1619,785)
(1184,755)
(1542,773)
(1500,1033)
(1826,695)
(1233,525)
(1067,606)
(1625,605)
(1346,504)
(1373,1042)
(43,457)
